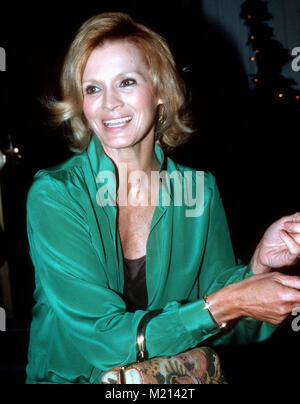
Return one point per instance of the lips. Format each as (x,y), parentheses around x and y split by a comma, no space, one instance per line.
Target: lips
(118,122)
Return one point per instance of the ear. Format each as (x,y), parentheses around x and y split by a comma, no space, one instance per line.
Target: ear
(159,102)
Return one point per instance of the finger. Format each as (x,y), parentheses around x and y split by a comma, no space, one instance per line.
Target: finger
(295,237)
(294,218)
(293,227)
(290,281)
(292,245)
(290,299)
(293,296)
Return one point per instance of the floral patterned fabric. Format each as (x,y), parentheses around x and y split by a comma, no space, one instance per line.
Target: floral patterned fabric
(197,366)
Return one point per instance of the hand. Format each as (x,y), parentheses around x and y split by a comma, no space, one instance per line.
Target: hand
(268,297)
(280,245)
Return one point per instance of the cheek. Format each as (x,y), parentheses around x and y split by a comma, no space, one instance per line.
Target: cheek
(89,108)
(143,101)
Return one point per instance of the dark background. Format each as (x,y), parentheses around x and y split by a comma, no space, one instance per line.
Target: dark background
(251,148)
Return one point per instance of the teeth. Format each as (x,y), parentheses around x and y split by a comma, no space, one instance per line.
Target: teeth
(118,122)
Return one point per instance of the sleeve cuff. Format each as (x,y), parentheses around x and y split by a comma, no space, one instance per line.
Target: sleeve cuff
(197,320)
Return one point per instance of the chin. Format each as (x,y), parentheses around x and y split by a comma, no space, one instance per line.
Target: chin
(117,142)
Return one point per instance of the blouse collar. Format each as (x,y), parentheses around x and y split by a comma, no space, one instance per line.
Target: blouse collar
(101,162)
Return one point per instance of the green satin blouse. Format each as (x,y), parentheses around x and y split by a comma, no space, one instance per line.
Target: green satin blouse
(80,327)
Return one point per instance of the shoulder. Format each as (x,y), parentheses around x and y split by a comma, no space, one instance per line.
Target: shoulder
(66,170)
(206,177)
(60,183)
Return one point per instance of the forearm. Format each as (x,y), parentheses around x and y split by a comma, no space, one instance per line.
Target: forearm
(267,297)
(226,305)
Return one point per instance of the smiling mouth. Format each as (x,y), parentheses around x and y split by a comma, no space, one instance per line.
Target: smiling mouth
(117,123)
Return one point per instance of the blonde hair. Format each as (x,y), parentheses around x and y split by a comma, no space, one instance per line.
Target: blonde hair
(174,125)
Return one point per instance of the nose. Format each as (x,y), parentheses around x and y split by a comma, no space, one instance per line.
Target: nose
(111,99)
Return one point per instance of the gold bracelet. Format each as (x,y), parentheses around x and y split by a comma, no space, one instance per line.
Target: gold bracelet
(207,306)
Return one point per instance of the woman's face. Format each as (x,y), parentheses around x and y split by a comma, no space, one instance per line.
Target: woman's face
(119,103)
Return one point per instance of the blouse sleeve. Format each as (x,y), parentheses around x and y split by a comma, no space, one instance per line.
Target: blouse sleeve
(220,268)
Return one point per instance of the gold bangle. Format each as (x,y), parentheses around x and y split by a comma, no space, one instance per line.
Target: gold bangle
(207,306)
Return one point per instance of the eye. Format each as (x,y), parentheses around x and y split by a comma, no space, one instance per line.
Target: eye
(90,90)
(128,83)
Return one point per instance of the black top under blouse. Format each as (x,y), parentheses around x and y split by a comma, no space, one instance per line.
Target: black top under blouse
(135,288)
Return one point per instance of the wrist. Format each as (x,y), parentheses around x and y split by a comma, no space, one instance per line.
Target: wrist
(256,265)
(207,306)
(223,305)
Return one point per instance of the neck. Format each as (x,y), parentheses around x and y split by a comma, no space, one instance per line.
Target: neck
(134,166)
(139,157)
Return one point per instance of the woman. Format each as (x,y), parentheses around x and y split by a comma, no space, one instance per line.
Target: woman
(105,254)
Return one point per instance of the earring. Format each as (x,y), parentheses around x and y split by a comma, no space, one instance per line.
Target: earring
(158,128)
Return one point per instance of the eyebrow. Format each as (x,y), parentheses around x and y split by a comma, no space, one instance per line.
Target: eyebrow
(119,75)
